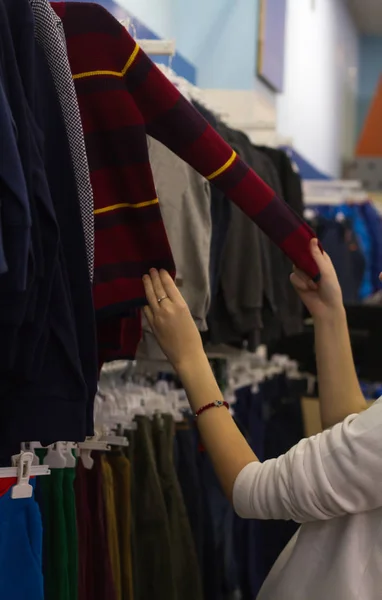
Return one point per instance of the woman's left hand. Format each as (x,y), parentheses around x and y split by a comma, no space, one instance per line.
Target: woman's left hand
(171,321)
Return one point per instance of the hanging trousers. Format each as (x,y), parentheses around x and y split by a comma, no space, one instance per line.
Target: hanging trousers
(186,568)
(95,571)
(152,530)
(111,525)
(122,496)
(20,548)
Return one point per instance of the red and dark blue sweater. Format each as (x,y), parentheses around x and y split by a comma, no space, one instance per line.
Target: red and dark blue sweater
(123,97)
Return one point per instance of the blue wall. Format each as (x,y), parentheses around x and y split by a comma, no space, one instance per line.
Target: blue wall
(370,70)
(118,8)
(219,37)
(216,39)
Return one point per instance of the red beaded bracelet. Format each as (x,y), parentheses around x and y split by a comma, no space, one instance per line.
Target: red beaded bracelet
(217,404)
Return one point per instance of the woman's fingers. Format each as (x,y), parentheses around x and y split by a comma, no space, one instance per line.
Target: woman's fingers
(157,284)
(151,296)
(149,316)
(160,286)
(170,288)
(302,280)
(300,284)
(321,258)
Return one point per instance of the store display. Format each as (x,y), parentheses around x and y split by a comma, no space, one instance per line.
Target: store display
(111,165)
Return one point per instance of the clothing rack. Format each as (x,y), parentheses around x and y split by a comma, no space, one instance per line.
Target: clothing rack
(158,47)
(163,448)
(336,199)
(152,47)
(334,193)
(348,184)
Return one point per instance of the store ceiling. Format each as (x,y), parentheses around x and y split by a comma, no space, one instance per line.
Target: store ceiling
(368,15)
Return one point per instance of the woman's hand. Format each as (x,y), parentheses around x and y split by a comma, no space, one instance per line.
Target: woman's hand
(179,338)
(324,298)
(171,321)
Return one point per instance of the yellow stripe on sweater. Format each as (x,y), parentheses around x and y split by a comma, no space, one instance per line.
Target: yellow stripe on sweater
(111,73)
(224,167)
(99,211)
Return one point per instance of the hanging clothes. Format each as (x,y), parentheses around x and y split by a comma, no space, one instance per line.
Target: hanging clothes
(185,200)
(220,216)
(56,548)
(188,584)
(49,367)
(111,525)
(20,546)
(340,242)
(236,312)
(51,37)
(353,213)
(374,224)
(56,499)
(126,251)
(289,177)
(152,531)
(121,470)
(190,482)
(16,219)
(17,161)
(95,569)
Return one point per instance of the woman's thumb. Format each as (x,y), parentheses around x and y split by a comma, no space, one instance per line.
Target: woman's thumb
(317,253)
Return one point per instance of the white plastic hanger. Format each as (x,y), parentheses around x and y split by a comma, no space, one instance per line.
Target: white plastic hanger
(56,457)
(86,448)
(69,456)
(23,469)
(115,440)
(107,435)
(30,447)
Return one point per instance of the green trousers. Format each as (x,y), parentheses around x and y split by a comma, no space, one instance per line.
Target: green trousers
(58,509)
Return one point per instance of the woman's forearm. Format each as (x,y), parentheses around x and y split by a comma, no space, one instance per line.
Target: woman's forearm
(223,441)
(339,390)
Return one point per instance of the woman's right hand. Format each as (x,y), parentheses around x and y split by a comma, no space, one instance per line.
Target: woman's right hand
(171,322)
(324,298)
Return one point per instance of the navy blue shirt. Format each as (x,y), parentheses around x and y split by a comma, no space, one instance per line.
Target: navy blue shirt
(14,204)
(49,381)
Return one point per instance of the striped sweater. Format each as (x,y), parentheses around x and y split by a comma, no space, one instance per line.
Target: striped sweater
(123,97)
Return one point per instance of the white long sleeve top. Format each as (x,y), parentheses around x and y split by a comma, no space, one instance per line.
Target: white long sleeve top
(332,484)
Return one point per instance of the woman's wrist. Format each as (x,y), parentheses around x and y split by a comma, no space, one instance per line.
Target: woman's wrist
(332,316)
(192,365)
(198,381)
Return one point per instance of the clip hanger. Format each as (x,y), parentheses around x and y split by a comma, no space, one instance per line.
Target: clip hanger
(23,469)
(115,440)
(55,458)
(69,456)
(30,447)
(86,448)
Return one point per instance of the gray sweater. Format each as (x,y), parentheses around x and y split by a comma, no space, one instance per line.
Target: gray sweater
(185,201)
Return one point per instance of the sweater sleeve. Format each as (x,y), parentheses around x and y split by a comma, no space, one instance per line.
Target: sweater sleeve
(172,120)
(326,476)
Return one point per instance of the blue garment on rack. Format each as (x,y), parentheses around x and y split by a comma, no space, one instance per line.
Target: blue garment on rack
(15,229)
(374,224)
(354,214)
(20,549)
(341,243)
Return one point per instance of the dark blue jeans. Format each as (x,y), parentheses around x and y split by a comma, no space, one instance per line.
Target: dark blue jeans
(249,411)
(220,568)
(189,478)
